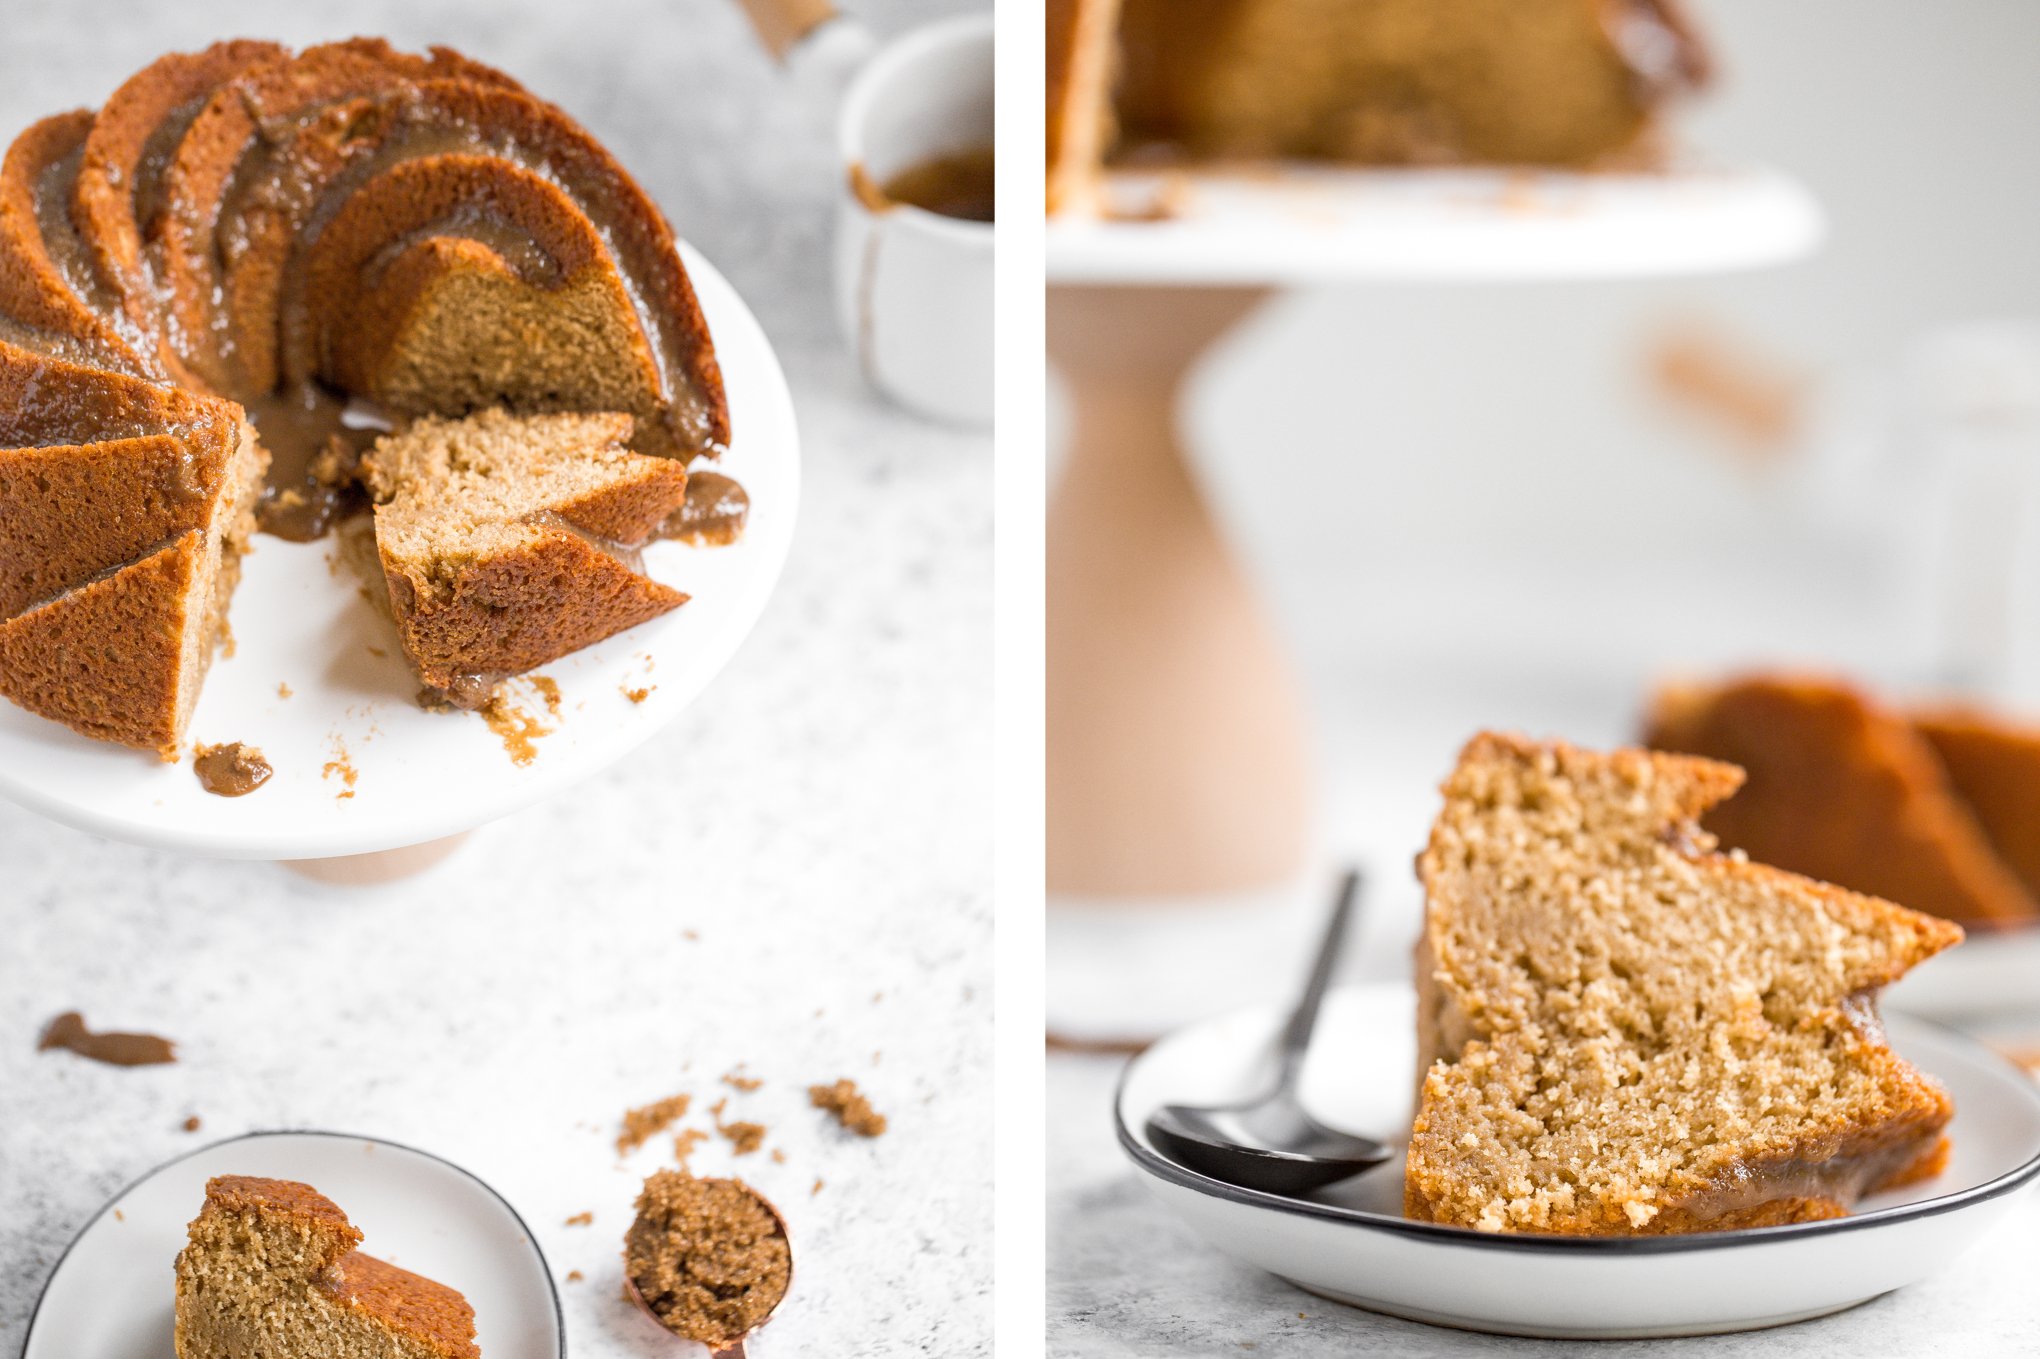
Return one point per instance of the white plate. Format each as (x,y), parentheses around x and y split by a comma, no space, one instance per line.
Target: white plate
(111,1295)
(1991,973)
(299,620)
(1319,224)
(1352,1244)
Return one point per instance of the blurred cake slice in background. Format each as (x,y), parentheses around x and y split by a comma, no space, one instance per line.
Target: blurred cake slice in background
(1843,789)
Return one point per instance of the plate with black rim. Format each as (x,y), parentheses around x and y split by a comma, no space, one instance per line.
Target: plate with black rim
(110,1296)
(317,683)
(1350,1243)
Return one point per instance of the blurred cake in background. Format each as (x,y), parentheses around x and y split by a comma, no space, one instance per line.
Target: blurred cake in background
(1562,83)
(1845,789)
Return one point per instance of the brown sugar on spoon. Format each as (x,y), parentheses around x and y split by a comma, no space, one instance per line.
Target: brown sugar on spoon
(707,1258)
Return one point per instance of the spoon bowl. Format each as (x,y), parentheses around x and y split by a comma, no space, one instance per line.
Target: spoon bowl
(1273,1143)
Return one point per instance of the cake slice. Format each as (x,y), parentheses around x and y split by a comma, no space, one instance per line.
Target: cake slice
(508,541)
(271,1270)
(117,557)
(1994,767)
(1624,1032)
(1842,789)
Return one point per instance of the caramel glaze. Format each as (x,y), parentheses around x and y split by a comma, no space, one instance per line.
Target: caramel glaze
(231,770)
(68,1032)
(715,512)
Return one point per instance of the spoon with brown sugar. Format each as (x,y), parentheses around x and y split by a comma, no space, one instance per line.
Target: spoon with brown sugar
(707,1259)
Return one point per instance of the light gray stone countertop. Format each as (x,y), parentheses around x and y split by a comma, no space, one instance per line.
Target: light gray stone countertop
(794,876)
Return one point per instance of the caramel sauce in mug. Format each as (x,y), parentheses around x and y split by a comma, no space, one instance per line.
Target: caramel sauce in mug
(959,185)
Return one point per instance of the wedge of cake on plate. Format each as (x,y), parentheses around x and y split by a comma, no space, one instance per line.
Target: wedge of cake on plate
(271,1269)
(1623,1031)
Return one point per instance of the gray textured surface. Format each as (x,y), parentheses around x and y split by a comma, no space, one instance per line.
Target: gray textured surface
(821,820)
(1128,1281)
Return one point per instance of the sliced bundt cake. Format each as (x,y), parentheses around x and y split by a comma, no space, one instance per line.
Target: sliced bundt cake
(47,283)
(271,1270)
(507,540)
(248,238)
(1389,82)
(1623,1031)
(1842,789)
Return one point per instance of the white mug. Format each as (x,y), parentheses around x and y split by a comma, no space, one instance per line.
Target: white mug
(914,288)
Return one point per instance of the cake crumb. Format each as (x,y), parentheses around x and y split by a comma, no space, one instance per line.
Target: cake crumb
(581,1220)
(283,691)
(691,936)
(119,1216)
(738,1080)
(342,765)
(779,1156)
(191,1124)
(709,1257)
(549,690)
(745,1138)
(640,1125)
(686,1142)
(574,1276)
(518,730)
(818,1187)
(639,695)
(850,1107)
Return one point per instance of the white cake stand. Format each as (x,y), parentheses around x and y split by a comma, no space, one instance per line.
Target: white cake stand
(317,682)
(1177,763)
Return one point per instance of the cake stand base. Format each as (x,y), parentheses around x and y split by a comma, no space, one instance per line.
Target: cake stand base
(1176,741)
(382,867)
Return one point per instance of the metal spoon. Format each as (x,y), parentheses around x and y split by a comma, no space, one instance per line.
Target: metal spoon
(1272,1143)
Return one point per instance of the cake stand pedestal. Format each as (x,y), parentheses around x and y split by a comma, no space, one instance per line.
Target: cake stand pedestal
(1178,772)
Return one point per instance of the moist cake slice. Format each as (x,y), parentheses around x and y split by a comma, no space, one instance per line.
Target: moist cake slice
(509,541)
(1841,789)
(272,1271)
(1624,1032)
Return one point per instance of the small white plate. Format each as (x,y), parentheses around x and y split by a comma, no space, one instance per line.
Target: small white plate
(1313,223)
(111,1295)
(1351,1243)
(299,621)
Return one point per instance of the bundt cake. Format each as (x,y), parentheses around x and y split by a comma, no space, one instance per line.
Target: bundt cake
(1843,789)
(1622,1031)
(197,281)
(508,541)
(1994,766)
(271,1269)
(1569,83)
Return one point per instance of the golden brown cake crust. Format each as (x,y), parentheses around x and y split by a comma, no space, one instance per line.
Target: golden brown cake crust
(1995,768)
(1624,1032)
(411,1305)
(34,290)
(1840,789)
(108,659)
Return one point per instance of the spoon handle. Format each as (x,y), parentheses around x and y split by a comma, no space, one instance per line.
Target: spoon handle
(1303,1019)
